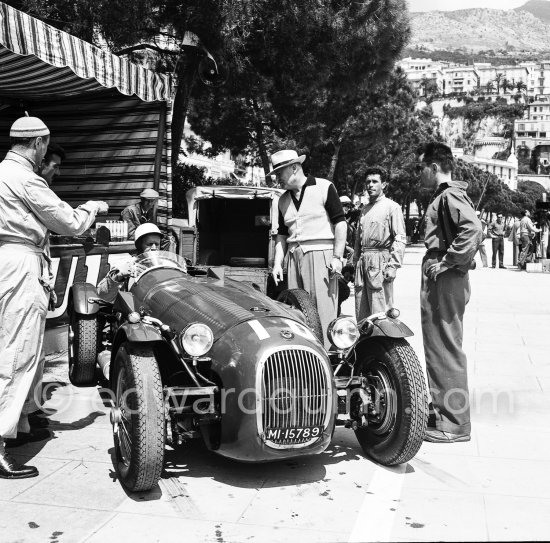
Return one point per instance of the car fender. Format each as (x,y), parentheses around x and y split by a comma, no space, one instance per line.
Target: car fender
(389,327)
(78,299)
(138,332)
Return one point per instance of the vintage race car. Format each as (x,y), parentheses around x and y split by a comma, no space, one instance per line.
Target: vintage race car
(191,354)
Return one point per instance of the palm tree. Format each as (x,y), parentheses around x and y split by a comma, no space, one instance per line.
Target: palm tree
(489,87)
(505,84)
(521,86)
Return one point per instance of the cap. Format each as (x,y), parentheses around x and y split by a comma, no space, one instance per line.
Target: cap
(345,200)
(144,229)
(149,194)
(28,127)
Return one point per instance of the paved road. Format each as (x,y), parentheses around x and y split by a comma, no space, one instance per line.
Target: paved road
(496,487)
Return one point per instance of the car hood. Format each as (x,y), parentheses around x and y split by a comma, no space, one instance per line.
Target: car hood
(178,299)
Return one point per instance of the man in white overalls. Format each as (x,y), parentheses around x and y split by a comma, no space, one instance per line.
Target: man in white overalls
(28,209)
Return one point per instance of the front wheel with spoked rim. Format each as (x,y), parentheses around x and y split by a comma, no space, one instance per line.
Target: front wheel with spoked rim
(138,418)
(395,417)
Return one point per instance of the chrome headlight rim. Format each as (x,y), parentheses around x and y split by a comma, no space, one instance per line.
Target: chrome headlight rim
(188,339)
(341,338)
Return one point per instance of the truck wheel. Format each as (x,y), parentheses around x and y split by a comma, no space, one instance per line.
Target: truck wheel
(300,299)
(84,343)
(138,418)
(397,417)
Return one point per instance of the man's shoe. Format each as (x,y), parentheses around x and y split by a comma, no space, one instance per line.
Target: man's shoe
(37,419)
(502,267)
(438,436)
(493,266)
(27,437)
(10,469)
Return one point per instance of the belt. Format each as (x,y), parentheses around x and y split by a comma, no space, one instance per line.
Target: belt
(375,250)
(23,247)
(435,252)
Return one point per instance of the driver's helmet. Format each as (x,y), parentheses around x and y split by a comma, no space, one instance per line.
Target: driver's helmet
(143,230)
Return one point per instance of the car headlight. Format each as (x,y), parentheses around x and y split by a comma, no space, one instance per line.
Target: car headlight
(343,332)
(197,339)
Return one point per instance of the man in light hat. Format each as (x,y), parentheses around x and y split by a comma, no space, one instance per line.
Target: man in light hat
(312,229)
(28,209)
(144,211)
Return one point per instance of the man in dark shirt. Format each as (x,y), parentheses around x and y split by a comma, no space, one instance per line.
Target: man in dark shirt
(452,237)
(496,231)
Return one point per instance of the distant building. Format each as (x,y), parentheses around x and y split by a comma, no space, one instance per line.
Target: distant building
(484,150)
(461,78)
(532,133)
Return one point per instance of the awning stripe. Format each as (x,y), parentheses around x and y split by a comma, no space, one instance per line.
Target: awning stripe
(24,35)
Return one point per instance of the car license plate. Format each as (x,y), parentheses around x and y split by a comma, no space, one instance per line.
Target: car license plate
(293,435)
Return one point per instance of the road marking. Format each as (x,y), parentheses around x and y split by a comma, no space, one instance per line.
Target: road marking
(261,332)
(376,518)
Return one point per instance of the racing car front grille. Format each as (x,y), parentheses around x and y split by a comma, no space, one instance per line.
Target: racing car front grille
(295,393)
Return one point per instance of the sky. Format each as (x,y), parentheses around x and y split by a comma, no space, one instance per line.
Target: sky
(451,5)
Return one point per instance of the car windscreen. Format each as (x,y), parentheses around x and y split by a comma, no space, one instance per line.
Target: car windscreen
(153,260)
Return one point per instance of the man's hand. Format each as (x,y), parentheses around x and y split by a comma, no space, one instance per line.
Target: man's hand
(336,265)
(389,274)
(53,300)
(435,270)
(102,207)
(125,270)
(277,273)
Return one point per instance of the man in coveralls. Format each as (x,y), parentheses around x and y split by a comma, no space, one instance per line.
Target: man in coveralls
(28,209)
(452,237)
(379,247)
(313,228)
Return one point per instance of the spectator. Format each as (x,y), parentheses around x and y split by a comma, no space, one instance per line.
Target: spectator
(496,232)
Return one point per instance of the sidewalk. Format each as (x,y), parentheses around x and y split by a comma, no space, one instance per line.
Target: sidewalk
(495,487)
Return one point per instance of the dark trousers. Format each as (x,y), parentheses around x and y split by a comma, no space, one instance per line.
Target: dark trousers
(442,305)
(498,246)
(526,251)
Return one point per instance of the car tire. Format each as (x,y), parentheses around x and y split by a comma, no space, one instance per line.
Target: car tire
(84,343)
(395,436)
(302,300)
(138,418)
(246,262)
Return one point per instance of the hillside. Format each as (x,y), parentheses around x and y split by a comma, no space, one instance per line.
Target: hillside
(482,29)
(538,8)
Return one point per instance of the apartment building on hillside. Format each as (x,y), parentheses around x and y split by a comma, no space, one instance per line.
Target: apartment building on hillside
(452,78)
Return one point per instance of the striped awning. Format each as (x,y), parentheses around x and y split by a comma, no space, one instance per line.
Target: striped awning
(39,61)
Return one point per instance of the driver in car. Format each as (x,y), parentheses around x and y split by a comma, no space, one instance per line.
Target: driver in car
(147,237)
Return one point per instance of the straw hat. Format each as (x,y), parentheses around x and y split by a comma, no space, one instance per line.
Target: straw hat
(284,158)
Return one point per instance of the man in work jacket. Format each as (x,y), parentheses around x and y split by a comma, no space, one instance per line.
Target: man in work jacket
(379,247)
(28,209)
(452,236)
(312,228)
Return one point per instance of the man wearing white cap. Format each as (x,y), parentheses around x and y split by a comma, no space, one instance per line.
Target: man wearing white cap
(312,228)
(28,209)
(144,211)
